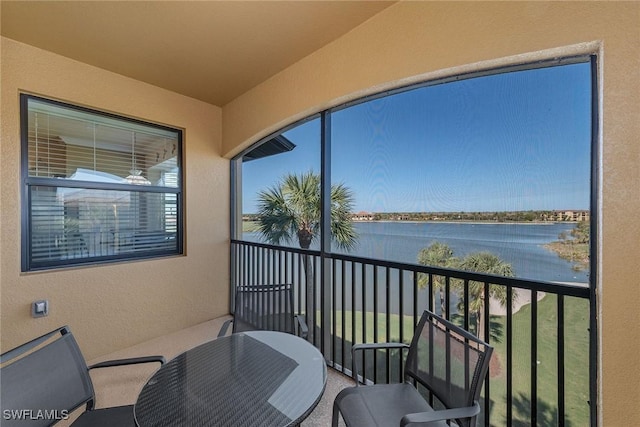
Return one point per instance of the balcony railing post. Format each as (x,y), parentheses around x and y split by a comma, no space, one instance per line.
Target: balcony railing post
(325,307)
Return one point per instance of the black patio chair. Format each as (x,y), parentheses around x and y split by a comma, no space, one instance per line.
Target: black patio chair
(444,359)
(46,379)
(265,307)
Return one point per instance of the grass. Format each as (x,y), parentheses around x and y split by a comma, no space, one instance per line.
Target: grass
(250,226)
(576,363)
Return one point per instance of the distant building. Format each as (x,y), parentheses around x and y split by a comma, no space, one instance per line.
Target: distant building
(362,216)
(570,215)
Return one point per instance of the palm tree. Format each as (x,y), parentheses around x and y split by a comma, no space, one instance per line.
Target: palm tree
(437,254)
(291,211)
(488,263)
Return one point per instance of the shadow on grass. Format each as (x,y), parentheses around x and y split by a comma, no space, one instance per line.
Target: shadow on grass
(496,326)
(547,415)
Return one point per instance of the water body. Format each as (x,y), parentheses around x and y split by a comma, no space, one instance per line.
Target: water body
(520,244)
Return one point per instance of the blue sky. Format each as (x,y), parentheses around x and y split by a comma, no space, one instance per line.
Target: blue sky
(506,142)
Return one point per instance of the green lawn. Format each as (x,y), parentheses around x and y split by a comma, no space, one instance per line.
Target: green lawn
(249,226)
(576,362)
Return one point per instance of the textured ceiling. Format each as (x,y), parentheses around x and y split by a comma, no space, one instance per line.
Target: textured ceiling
(210,50)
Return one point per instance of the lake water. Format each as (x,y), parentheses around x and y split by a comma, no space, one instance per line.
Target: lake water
(521,245)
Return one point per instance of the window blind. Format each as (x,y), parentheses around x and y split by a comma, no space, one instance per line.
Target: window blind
(99,187)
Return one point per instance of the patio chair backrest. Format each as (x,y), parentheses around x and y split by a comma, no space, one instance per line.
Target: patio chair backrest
(43,380)
(264,307)
(449,361)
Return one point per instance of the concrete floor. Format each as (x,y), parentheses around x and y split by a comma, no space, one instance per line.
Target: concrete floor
(321,416)
(120,386)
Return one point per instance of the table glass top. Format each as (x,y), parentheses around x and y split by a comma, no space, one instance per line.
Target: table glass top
(250,378)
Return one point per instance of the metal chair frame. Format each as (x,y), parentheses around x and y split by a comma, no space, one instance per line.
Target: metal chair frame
(265,307)
(47,378)
(460,403)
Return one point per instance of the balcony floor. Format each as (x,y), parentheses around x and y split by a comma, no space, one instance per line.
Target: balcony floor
(120,386)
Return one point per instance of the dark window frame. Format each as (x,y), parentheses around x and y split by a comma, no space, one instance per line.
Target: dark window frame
(28,183)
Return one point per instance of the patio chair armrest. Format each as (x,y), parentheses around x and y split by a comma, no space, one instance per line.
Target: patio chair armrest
(130,361)
(424,418)
(371,346)
(378,345)
(303,329)
(224,328)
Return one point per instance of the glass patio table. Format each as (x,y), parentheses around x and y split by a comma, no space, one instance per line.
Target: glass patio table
(257,378)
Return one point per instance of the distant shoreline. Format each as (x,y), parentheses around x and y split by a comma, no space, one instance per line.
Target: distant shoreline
(398,221)
(491,217)
(464,222)
(251,226)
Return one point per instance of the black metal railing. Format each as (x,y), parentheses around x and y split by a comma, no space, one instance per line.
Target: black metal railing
(541,370)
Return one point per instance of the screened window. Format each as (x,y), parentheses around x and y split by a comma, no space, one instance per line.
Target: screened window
(275,174)
(474,196)
(97,187)
(495,163)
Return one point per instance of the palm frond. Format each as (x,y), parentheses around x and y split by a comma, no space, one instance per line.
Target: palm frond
(293,204)
(276,222)
(342,230)
(437,254)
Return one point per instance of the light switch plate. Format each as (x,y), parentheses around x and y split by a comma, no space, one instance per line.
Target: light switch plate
(40,308)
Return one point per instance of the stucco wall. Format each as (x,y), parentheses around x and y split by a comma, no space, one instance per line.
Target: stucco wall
(118,305)
(414,41)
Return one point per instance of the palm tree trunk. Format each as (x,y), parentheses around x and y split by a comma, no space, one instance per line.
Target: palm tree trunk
(443,304)
(304,238)
(479,325)
(309,295)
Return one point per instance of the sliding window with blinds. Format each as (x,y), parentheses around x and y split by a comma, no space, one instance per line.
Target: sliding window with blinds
(97,187)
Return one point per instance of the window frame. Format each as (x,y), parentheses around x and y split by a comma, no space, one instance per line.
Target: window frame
(28,182)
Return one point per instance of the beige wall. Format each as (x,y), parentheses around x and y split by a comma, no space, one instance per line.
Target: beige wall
(115,306)
(417,40)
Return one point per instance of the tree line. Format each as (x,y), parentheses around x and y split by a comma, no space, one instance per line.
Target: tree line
(512,216)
